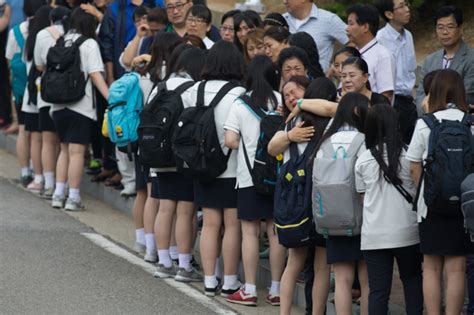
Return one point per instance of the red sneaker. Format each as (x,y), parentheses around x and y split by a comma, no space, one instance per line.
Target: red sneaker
(240,297)
(273,300)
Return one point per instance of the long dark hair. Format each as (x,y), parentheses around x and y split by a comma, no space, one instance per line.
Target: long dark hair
(447,87)
(161,50)
(37,23)
(306,42)
(382,128)
(351,111)
(60,15)
(83,23)
(320,88)
(224,62)
(191,61)
(263,79)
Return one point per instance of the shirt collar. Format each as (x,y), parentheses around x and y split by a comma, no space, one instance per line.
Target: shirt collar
(369,45)
(393,33)
(314,12)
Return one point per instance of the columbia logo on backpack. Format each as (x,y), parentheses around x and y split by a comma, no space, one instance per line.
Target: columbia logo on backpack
(449,162)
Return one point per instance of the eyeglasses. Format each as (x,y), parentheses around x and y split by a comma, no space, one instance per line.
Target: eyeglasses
(178,6)
(227,29)
(195,21)
(402,6)
(446,28)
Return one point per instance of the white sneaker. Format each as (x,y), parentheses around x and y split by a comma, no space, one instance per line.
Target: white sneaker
(139,248)
(58,202)
(128,191)
(73,205)
(151,257)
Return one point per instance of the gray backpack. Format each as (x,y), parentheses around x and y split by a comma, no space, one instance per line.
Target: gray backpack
(467,204)
(337,207)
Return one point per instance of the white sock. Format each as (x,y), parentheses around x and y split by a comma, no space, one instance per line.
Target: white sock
(174,252)
(38,178)
(185,261)
(275,288)
(74,194)
(48,179)
(140,236)
(59,190)
(150,243)
(210,281)
(230,282)
(164,257)
(250,288)
(25,171)
(218,270)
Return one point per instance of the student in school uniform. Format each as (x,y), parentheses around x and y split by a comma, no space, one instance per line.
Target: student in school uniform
(343,252)
(75,122)
(45,39)
(243,129)
(14,47)
(308,129)
(218,198)
(444,242)
(30,102)
(389,226)
(176,191)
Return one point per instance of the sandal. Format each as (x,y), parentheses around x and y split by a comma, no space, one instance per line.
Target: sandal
(114,180)
(103,175)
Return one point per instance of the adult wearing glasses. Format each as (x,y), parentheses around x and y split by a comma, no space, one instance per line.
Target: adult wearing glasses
(198,23)
(455,54)
(397,39)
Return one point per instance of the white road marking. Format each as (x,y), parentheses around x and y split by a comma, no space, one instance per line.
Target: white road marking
(109,246)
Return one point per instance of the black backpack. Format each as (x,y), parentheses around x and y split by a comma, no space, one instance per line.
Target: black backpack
(33,75)
(196,144)
(63,80)
(293,214)
(449,161)
(158,121)
(265,167)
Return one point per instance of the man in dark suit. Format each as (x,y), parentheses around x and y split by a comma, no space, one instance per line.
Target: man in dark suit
(455,55)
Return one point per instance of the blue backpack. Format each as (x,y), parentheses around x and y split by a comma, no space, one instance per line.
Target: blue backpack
(123,116)
(449,161)
(18,67)
(293,208)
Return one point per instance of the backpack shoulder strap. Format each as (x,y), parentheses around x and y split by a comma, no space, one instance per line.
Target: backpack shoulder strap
(222,92)
(394,181)
(183,87)
(357,142)
(248,103)
(430,120)
(78,42)
(200,94)
(468,119)
(19,37)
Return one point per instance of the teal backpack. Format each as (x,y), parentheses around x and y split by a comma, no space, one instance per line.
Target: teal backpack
(18,67)
(123,116)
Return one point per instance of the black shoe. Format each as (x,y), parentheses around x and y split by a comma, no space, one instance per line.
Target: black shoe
(227,292)
(212,291)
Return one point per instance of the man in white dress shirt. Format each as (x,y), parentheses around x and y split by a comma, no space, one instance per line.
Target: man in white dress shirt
(399,41)
(325,27)
(362,26)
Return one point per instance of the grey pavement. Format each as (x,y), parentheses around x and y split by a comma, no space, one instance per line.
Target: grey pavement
(47,266)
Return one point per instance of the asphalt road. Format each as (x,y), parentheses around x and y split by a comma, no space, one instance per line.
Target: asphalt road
(48,267)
